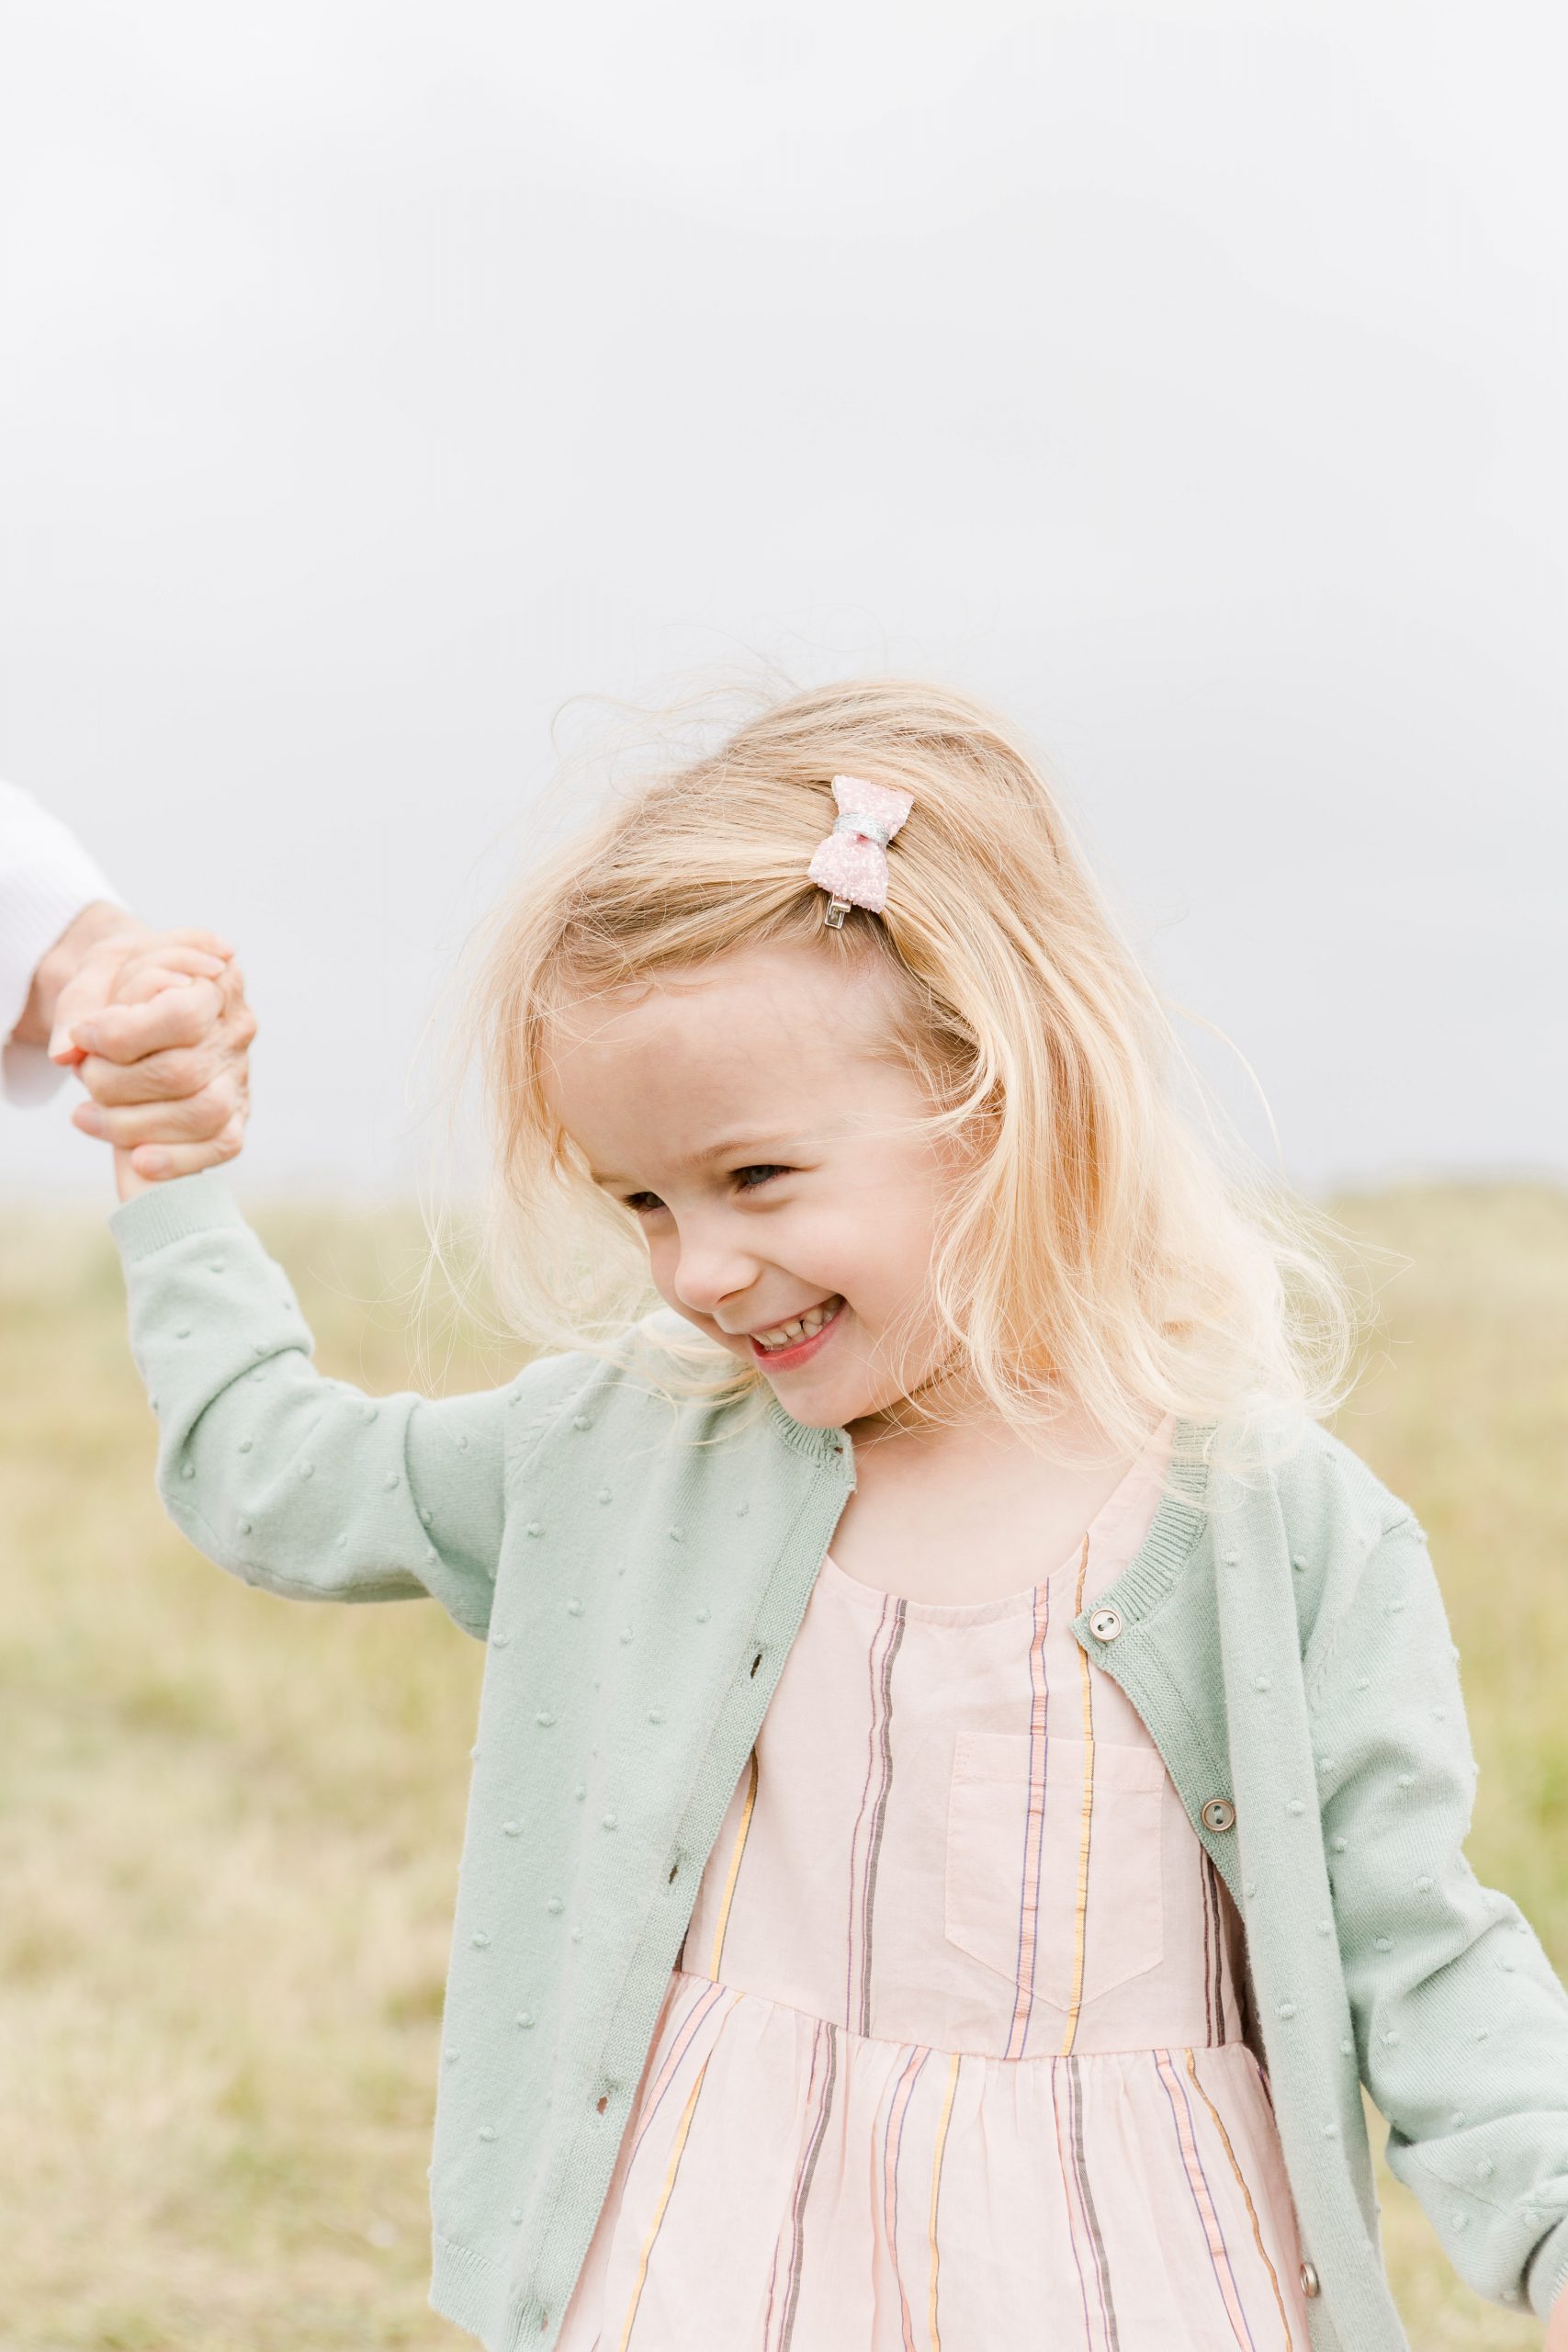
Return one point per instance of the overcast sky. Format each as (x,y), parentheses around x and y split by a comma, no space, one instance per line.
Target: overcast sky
(1189,379)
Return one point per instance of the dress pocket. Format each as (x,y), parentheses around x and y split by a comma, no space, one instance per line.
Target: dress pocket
(1055,1847)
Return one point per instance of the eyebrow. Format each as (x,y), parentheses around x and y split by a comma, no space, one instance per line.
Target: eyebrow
(736,1147)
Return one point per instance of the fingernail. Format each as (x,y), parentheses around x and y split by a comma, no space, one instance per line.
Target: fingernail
(87,1119)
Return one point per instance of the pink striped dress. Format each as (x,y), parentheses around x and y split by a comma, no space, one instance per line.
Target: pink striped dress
(952,2058)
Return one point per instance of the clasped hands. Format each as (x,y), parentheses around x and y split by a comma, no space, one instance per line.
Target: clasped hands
(158,1030)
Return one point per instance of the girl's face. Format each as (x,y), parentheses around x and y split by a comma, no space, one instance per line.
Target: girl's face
(777,1161)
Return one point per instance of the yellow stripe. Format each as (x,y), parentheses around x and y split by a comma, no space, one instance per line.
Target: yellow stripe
(733,1873)
(1082,1920)
(936,2184)
(653,2226)
(1246,2193)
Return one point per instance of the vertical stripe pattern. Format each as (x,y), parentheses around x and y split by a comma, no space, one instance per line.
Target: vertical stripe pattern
(1033,1822)
(952,2041)
(1198,2182)
(1081,1909)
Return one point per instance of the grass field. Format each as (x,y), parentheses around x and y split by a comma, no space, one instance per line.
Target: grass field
(231,1825)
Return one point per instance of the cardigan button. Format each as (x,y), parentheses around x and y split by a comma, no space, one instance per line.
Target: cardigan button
(1218,1814)
(1310,2283)
(1105,1625)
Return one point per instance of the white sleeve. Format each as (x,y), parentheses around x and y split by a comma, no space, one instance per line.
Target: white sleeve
(46,879)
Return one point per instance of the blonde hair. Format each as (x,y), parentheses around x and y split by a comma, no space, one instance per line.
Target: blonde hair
(1098,1252)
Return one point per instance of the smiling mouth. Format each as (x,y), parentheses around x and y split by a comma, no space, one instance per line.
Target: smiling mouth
(781,1337)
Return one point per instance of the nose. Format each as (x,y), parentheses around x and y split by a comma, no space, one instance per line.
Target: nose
(711,1266)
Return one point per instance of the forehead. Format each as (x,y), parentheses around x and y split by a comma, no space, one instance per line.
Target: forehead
(754,1037)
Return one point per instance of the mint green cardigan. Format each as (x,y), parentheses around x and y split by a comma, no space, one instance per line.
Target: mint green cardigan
(639,1591)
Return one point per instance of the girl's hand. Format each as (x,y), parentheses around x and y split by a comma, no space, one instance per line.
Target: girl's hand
(166,1063)
(1557,2326)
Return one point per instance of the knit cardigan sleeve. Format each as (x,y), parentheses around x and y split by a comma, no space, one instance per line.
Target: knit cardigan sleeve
(303,1485)
(1461,2025)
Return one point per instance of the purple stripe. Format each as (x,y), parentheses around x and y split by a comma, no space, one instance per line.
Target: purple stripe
(1085,2195)
(1169,2068)
(708,2001)
(879,1813)
(897,2152)
(797,2216)
(1067,2200)
(1207,1948)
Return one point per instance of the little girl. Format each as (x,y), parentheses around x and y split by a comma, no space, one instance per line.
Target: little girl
(971,1778)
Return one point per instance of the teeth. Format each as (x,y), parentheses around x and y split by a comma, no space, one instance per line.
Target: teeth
(786,1335)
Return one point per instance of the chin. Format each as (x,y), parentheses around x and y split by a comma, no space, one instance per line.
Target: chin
(814,1417)
(821,1408)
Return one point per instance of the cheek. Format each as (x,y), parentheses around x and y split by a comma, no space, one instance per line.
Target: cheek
(878,1263)
(663,1259)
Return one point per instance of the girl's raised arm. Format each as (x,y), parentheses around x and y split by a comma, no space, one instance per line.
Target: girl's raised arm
(290,1480)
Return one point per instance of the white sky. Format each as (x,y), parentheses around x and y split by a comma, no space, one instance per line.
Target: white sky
(1190,378)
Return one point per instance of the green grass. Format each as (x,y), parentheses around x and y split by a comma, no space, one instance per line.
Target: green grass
(229,1826)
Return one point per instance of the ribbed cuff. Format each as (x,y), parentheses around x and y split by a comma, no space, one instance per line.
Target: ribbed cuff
(171,1211)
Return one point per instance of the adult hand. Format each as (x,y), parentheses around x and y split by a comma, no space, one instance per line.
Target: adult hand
(79,971)
(166,1063)
(83,972)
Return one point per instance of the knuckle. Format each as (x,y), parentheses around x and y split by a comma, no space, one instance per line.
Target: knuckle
(174,1122)
(110,1025)
(146,1080)
(186,1023)
(185,1074)
(208,1112)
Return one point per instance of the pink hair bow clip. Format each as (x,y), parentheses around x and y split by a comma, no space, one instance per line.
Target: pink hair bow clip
(852,863)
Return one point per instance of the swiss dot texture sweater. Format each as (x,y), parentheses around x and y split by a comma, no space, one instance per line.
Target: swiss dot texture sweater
(1284,1643)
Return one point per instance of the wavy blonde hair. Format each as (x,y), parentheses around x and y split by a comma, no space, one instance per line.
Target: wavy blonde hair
(1102,1249)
